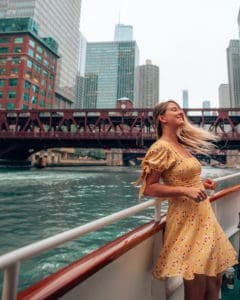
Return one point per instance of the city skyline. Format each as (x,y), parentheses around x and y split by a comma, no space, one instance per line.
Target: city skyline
(187,41)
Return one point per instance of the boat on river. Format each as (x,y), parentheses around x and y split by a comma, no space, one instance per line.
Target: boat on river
(121,269)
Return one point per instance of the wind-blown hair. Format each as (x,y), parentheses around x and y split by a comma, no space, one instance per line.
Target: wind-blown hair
(196,139)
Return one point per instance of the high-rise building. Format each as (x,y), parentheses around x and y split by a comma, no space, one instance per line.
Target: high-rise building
(185,99)
(223,95)
(146,85)
(59,20)
(81,71)
(239,22)
(109,73)
(206,104)
(28,66)
(123,33)
(233,61)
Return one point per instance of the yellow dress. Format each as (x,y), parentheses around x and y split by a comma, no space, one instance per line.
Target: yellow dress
(194,242)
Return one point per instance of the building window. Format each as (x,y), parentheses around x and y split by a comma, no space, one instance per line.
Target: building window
(31,52)
(37,68)
(4,49)
(14,71)
(18,40)
(43,81)
(50,87)
(46,54)
(50,96)
(38,57)
(29,63)
(36,77)
(2,82)
(45,73)
(13,82)
(35,88)
(31,43)
(1,94)
(52,68)
(28,74)
(27,84)
(12,95)
(49,106)
(25,96)
(51,76)
(41,103)
(17,49)
(16,60)
(24,106)
(46,63)
(4,40)
(34,100)
(3,60)
(2,71)
(39,49)
(43,93)
(10,106)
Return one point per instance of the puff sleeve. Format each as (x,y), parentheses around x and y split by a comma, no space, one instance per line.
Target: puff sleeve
(159,158)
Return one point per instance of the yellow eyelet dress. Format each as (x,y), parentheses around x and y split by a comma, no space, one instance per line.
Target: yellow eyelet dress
(194,242)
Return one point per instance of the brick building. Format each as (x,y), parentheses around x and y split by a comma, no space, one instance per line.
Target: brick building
(28,66)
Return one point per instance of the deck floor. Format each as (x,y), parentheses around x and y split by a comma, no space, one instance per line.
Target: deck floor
(234,294)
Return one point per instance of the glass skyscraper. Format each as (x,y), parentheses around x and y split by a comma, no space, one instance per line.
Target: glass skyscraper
(109,73)
(123,33)
(60,20)
(233,59)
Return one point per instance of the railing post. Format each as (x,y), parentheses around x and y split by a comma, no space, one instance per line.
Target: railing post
(10,282)
(158,205)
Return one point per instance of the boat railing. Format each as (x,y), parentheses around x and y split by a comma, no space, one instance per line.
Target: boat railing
(10,262)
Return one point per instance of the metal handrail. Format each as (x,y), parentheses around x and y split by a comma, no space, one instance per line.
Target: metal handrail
(10,262)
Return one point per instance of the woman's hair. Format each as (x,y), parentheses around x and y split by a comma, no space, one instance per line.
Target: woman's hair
(196,139)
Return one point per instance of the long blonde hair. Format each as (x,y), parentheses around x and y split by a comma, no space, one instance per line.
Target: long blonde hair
(196,139)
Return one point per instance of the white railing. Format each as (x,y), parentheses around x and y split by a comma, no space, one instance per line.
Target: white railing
(10,262)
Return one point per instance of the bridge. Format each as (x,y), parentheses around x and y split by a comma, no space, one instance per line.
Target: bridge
(24,132)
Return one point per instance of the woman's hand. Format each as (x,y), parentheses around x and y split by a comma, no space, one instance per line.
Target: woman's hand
(209,184)
(196,194)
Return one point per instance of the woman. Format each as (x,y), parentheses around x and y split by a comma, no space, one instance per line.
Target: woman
(195,246)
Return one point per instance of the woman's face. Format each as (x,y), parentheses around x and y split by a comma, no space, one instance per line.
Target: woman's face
(174,115)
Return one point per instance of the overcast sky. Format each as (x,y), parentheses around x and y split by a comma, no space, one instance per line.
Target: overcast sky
(187,39)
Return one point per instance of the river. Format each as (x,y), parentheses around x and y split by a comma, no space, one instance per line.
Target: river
(38,203)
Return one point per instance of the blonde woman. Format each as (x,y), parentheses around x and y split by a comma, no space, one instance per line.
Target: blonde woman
(195,246)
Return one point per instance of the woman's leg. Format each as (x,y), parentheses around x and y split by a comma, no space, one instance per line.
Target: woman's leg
(195,289)
(213,287)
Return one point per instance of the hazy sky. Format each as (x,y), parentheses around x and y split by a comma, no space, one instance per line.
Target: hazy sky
(187,39)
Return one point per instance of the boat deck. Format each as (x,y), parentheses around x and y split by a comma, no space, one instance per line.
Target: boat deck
(234,294)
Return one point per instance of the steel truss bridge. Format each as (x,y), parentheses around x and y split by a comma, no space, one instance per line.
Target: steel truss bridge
(23,132)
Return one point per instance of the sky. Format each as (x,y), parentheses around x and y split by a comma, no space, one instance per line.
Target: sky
(186,39)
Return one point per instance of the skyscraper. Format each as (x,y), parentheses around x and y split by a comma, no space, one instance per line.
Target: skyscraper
(147,85)
(185,99)
(109,73)
(59,20)
(233,61)
(123,33)
(223,95)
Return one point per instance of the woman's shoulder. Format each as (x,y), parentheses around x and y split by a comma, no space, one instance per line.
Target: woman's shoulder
(160,145)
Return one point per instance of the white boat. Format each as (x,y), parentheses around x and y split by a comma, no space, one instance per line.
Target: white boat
(122,268)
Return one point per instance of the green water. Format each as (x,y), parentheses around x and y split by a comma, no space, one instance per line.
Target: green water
(36,204)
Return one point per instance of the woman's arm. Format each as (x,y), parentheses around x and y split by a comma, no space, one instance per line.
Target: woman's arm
(156,189)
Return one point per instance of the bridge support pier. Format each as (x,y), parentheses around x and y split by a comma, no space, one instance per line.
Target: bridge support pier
(114,157)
